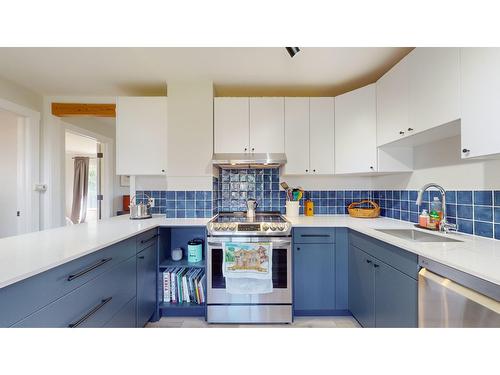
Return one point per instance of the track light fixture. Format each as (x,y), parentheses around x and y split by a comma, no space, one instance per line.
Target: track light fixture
(292,51)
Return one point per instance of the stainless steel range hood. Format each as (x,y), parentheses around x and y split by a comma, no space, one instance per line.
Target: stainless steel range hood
(249,160)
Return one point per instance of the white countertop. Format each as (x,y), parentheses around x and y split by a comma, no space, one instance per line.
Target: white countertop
(477,256)
(27,255)
(30,254)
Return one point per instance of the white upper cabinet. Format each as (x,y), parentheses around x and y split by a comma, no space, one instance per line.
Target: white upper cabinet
(267,125)
(480,76)
(231,125)
(297,135)
(356,131)
(434,87)
(321,135)
(392,104)
(141,135)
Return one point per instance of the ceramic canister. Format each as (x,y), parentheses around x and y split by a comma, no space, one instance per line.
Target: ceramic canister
(195,250)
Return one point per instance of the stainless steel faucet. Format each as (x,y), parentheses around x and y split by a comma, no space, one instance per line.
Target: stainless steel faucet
(444,226)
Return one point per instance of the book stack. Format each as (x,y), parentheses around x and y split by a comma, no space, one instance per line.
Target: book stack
(183,284)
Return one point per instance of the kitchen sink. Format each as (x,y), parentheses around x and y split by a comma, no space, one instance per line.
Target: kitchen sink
(416,235)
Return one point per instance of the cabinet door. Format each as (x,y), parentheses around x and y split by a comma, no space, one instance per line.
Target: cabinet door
(146,284)
(267,125)
(314,277)
(434,87)
(141,135)
(356,131)
(395,297)
(297,135)
(322,121)
(480,77)
(231,125)
(392,104)
(361,287)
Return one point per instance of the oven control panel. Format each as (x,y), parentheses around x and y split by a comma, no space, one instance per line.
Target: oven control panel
(247,228)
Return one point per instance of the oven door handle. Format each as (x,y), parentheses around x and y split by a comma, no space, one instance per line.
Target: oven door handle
(274,243)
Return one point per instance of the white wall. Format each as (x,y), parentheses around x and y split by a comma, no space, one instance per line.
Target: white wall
(8,173)
(440,162)
(20,95)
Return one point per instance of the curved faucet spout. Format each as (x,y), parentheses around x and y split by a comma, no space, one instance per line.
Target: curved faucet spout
(426,187)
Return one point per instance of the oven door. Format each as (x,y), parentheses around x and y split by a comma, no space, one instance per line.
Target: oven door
(282,278)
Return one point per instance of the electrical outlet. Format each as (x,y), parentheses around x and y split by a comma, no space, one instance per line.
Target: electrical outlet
(152,202)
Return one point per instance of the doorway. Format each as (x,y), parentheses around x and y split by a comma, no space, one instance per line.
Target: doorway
(83,155)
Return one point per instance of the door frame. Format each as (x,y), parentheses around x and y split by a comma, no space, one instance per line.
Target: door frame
(28,161)
(107,173)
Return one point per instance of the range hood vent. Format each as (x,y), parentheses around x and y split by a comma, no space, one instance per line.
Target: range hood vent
(249,160)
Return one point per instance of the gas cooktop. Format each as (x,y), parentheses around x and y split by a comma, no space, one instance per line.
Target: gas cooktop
(238,224)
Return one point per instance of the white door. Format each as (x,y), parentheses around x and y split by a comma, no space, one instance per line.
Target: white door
(356,131)
(141,135)
(322,141)
(392,104)
(267,125)
(231,125)
(297,135)
(480,75)
(434,87)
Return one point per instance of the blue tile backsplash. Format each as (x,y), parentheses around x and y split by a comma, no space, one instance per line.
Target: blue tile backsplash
(475,212)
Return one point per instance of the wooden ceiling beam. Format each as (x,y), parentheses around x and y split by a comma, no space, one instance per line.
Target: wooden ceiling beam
(83,110)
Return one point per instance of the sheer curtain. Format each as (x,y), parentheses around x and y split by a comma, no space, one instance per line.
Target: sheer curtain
(80,189)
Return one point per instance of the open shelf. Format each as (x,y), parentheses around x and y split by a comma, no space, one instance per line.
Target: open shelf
(181,263)
(182,309)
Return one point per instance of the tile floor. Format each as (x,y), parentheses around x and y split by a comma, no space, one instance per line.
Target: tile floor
(300,322)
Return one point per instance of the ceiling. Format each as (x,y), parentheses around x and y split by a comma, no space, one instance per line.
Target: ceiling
(234,71)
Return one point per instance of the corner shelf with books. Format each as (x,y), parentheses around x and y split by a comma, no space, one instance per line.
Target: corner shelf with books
(191,276)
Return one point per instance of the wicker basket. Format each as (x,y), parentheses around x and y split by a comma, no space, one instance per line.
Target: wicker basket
(356,211)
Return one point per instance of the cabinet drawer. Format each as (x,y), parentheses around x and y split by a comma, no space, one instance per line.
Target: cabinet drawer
(147,238)
(314,235)
(125,318)
(29,295)
(400,259)
(91,305)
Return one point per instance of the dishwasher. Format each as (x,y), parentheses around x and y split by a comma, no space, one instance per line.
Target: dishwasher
(451,298)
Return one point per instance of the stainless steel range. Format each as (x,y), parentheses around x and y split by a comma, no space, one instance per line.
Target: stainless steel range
(274,307)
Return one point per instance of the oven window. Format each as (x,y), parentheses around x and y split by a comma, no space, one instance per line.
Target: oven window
(279,269)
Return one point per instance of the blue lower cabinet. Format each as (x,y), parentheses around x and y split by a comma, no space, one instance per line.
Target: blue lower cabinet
(379,294)
(125,318)
(91,305)
(146,284)
(341,270)
(314,278)
(361,287)
(396,298)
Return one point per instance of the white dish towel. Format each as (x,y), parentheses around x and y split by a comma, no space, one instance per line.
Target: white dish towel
(247,267)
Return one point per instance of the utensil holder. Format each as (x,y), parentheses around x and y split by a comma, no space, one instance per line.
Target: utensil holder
(292,208)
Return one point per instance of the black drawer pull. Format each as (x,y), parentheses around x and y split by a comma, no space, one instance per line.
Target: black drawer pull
(368,261)
(140,257)
(315,235)
(87,270)
(376,265)
(149,239)
(90,313)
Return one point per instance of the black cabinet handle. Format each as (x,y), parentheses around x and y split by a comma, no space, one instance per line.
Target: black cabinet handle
(307,170)
(465,150)
(87,270)
(298,249)
(376,265)
(401,132)
(368,261)
(410,129)
(90,313)
(149,239)
(371,167)
(140,257)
